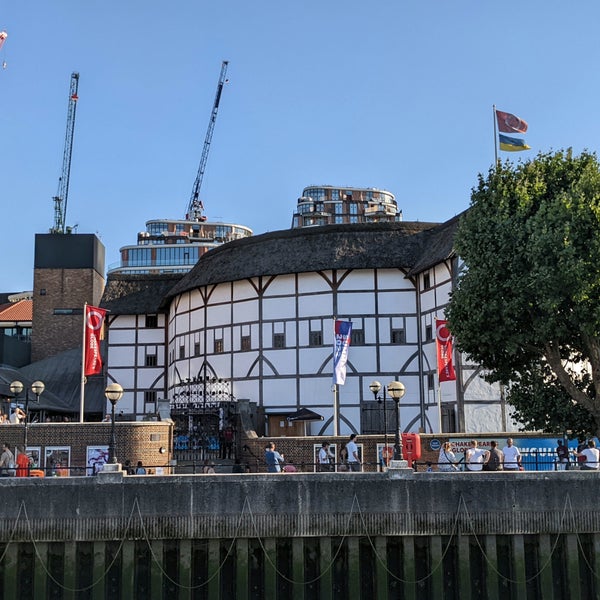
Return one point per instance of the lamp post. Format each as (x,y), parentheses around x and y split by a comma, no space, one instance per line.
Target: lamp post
(37,387)
(375,387)
(396,390)
(113,393)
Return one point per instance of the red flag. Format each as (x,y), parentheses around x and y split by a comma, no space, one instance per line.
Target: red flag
(508,123)
(94,319)
(443,340)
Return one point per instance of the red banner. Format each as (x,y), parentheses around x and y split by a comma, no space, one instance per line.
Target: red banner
(94,320)
(443,340)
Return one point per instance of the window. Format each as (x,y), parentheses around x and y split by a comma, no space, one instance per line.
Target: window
(430,381)
(196,348)
(426,281)
(246,342)
(428,333)
(358,337)
(398,336)
(315,338)
(151,321)
(151,360)
(218,346)
(279,340)
(181,352)
(150,397)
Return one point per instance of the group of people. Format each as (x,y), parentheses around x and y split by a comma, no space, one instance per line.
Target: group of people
(17,416)
(480,459)
(11,466)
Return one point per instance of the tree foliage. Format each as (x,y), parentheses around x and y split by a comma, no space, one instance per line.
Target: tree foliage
(527,307)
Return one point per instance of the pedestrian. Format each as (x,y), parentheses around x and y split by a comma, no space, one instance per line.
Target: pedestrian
(325,459)
(273,458)
(17,415)
(474,457)
(494,458)
(353,456)
(23,462)
(209,467)
(592,457)
(512,456)
(140,469)
(7,461)
(562,456)
(447,458)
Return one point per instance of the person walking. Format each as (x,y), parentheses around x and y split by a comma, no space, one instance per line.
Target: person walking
(562,456)
(353,456)
(512,456)
(447,458)
(325,459)
(7,461)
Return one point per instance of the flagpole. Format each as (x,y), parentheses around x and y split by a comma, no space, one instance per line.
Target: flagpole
(440,405)
(336,403)
(82,395)
(495,137)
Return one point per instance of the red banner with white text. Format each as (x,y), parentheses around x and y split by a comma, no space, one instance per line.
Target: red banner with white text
(443,341)
(94,320)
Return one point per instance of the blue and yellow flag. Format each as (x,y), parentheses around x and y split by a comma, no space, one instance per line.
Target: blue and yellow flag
(511,144)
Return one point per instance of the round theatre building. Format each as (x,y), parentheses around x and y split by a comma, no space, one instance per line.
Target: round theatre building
(258,313)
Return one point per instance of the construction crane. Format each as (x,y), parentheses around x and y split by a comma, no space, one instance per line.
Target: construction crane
(62,194)
(195,206)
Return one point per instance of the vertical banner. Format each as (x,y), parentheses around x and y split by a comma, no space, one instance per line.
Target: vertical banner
(94,319)
(443,339)
(341,342)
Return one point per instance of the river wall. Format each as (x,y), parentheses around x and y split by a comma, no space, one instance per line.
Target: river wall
(341,535)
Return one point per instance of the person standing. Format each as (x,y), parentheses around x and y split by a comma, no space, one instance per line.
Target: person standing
(23,462)
(353,457)
(512,456)
(493,458)
(447,458)
(7,461)
(562,456)
(592,457)
(273,458)
(325,458)
(474,457)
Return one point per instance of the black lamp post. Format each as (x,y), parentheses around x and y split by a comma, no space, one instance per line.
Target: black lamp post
(375,387)
(396,390)
(113,393)
(37,387)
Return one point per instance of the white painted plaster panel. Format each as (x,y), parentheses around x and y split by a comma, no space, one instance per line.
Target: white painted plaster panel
(218,316)
(311,359)
(356,303)
(362,359)
(278,392)
(122,356)
(283,360)
(395,279)
(121,336)
(320,305)
(278,308)
(393,303)
(312,282)
(123,376)
(362,279)
(122,322)
(282,285)
(221,293)
(197,320)
(151,336)
(245,311)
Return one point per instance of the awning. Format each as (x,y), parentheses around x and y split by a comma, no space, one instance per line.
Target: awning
(305,414)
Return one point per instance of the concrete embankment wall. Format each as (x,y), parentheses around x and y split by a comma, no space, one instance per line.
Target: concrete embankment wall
(364,535)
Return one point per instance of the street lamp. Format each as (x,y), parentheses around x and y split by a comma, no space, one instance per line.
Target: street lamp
(37,387)
(113,393)
(375,387)
(396,390)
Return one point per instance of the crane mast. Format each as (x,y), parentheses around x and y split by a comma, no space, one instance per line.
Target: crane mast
(195,207)
(60,200)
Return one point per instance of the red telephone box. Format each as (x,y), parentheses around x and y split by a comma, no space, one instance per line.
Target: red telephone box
(411,446)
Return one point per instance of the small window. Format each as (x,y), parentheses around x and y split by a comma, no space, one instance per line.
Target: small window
(197,349)
(218,346)
(246,342)
(430,381)
(398,336)
(151,321)
(358,337)
(426,281)
(150,396)
(315,338)
(151,360)
(181,352)
(428,333)
(279,340)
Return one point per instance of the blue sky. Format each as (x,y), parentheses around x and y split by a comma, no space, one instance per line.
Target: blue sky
(389,94)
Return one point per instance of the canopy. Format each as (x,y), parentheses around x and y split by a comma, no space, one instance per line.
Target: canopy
(305,414)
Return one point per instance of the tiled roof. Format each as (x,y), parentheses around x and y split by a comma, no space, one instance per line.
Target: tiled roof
(17,311)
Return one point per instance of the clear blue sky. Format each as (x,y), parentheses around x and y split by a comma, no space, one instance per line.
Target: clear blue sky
(389,94)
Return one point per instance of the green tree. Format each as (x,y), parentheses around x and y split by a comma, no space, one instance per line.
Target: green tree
(527,306)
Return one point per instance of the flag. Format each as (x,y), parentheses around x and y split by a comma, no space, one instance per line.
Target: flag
(94,320)
(511,144)
(508,123)
(443,342)
(341,342)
